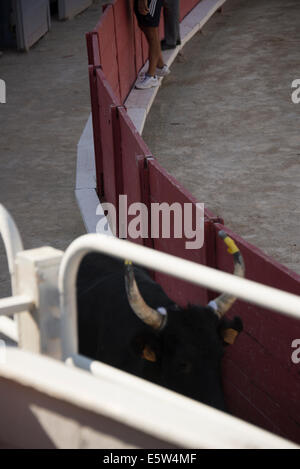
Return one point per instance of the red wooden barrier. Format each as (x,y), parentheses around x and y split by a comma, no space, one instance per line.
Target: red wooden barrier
(125,43)
(261,382)
(105,116)
(94,61)
(107,37)
(186,6)
(96,126)
(134,153)
(165,189)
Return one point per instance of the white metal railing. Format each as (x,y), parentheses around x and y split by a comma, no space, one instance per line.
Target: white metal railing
(31,264)
(13,244)
(47,291)
(253,292)
(119,397)
(15,304)
(212,426)
(34,293)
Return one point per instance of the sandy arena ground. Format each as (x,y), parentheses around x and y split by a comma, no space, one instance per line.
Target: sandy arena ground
(231,135)
(48,104)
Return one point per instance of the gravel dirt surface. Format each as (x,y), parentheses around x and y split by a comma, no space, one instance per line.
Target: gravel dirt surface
(48,104)
(224,124)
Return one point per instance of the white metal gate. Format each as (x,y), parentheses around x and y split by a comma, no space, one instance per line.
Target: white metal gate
(32,21)
(44,301)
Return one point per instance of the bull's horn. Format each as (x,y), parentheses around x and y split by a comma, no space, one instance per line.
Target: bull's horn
(154,318)
(223,303)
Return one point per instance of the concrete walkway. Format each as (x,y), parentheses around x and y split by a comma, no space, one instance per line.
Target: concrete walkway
(232,134)
(47,107)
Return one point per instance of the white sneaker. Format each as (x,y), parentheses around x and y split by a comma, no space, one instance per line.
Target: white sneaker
(163,72)
(147,82)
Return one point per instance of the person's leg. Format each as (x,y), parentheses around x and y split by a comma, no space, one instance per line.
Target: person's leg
(149,24)
(155,56)
(171,22)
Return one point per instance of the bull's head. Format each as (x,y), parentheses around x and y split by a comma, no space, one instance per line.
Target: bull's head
(157,318)
(187,344)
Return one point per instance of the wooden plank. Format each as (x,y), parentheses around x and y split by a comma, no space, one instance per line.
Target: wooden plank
(96,129)
(124,30)
(165,189)
(186,6)
(108,50)
(247,400)
(134,153)
(106,100)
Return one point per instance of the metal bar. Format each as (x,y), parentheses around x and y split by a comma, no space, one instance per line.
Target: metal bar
(253,292)
(172,416)
(15,304)
(12,242)
(125,400)
(8,327)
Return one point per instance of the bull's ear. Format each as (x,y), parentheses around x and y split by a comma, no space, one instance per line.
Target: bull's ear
(229,335)
(146,347)
(230,329)
(149,354)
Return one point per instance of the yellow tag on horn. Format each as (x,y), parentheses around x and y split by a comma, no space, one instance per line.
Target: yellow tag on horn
(229,336)
(148,354)
(232,247)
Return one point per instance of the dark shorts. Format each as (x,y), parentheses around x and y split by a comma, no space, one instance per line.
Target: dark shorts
(152,19)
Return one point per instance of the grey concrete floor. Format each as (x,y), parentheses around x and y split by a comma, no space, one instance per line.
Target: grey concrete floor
(224,125)
(47,107)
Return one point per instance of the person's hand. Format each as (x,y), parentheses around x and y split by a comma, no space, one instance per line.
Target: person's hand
(143,7)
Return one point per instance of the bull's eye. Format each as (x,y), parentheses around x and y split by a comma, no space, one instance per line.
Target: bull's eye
(185,366)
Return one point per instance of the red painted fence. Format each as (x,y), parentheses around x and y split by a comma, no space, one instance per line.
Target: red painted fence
(261,383)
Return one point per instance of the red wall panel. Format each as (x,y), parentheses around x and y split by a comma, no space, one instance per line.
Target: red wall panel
(108,50)
(96,130)
(262,353)
(124,30)
(133,154)
(164,188)
(260,381)
(107,103)
(186,6)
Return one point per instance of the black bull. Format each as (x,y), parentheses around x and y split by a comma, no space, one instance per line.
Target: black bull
(183,353)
